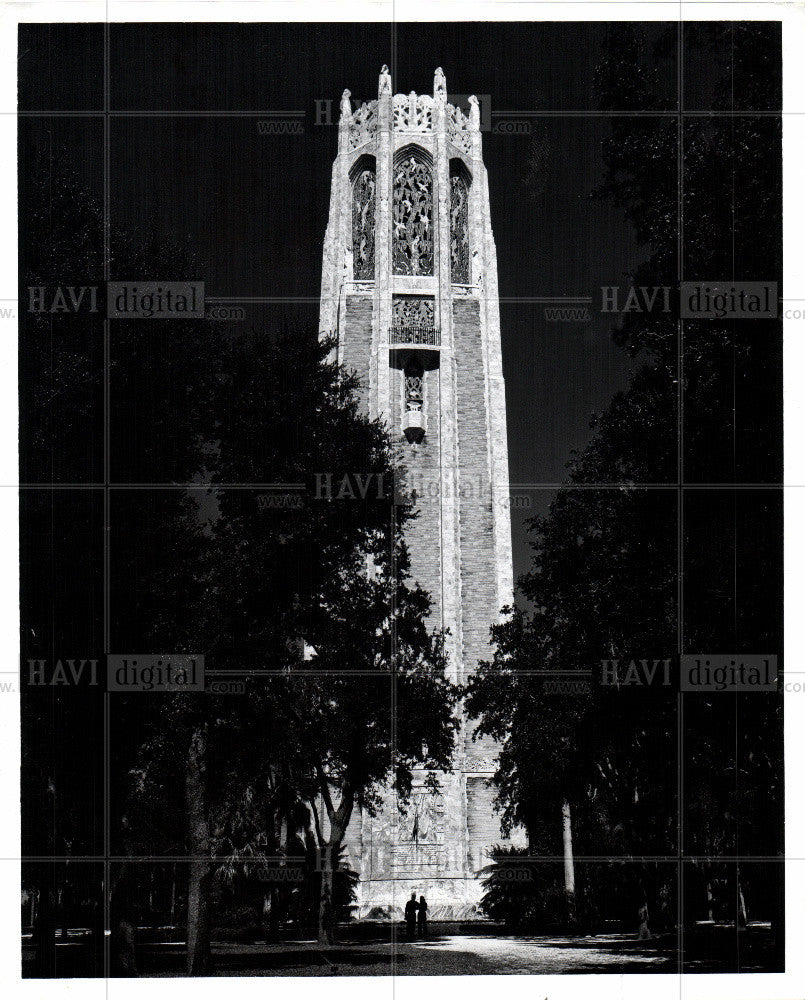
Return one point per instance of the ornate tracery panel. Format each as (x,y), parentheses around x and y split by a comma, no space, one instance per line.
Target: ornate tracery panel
(412,219)
(363,225)
(414,385)
(412,321)
(459,231)
(409,312)
(363,125)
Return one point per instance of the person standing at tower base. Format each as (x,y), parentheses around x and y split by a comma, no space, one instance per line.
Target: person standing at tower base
(422,920)
(410,917)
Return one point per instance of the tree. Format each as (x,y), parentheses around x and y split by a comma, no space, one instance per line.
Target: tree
(732,389)
(338,583)
(604,577)
(354,738)
(570,873)
(200,567)
(333,569)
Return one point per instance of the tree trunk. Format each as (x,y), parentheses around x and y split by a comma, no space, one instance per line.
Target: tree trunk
(326,899)
(173,895)
(741,905)
(123,940)
(339,821)
(44,932)
(198,892)
(198,920)
(271,905)
(776,879)
(644,934)
(124,949)
(570,875)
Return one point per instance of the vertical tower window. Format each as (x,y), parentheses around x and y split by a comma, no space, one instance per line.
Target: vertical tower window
(412,219)
(459,231)
(363,225)
(414,385)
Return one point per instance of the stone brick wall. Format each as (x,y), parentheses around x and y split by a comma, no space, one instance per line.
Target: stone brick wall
(478,557)
(478,568)
(483,821)
(423,535)
(356,340)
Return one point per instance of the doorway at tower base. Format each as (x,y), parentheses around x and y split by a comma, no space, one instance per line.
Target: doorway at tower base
(447,898)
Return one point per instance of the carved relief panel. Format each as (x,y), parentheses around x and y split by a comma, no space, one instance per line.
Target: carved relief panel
(412,218)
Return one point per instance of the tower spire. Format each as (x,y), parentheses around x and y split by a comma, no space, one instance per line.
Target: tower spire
(384,83)
(439,86)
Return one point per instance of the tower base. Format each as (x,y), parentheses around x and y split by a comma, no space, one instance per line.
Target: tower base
(447,898)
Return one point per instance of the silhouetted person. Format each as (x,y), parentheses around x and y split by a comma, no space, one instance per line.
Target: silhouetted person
(422,920)
(410,917)
(644,934)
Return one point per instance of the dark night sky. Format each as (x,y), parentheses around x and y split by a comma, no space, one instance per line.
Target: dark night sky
(254,207)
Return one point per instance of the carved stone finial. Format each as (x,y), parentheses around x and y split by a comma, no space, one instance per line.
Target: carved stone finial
(412,109)
(439,85)
(475,113)
(384,86)
(346,107)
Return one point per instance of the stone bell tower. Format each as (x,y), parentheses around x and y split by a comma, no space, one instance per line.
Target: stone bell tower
(410,287)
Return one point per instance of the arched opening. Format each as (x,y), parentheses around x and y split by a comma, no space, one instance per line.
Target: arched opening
(459,223)
(412,212)
(414,373)
(363,218)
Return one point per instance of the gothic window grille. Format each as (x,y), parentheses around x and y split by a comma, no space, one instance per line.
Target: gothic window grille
(412,219)
(414,385)
(363,226)
(459,231)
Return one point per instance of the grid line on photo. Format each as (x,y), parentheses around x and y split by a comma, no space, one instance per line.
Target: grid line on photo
(680,402)
(533,859)
(393,745)
(107,527)
(207,487)
(495,114)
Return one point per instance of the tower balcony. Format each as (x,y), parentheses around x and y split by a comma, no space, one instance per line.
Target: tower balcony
(414,335)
